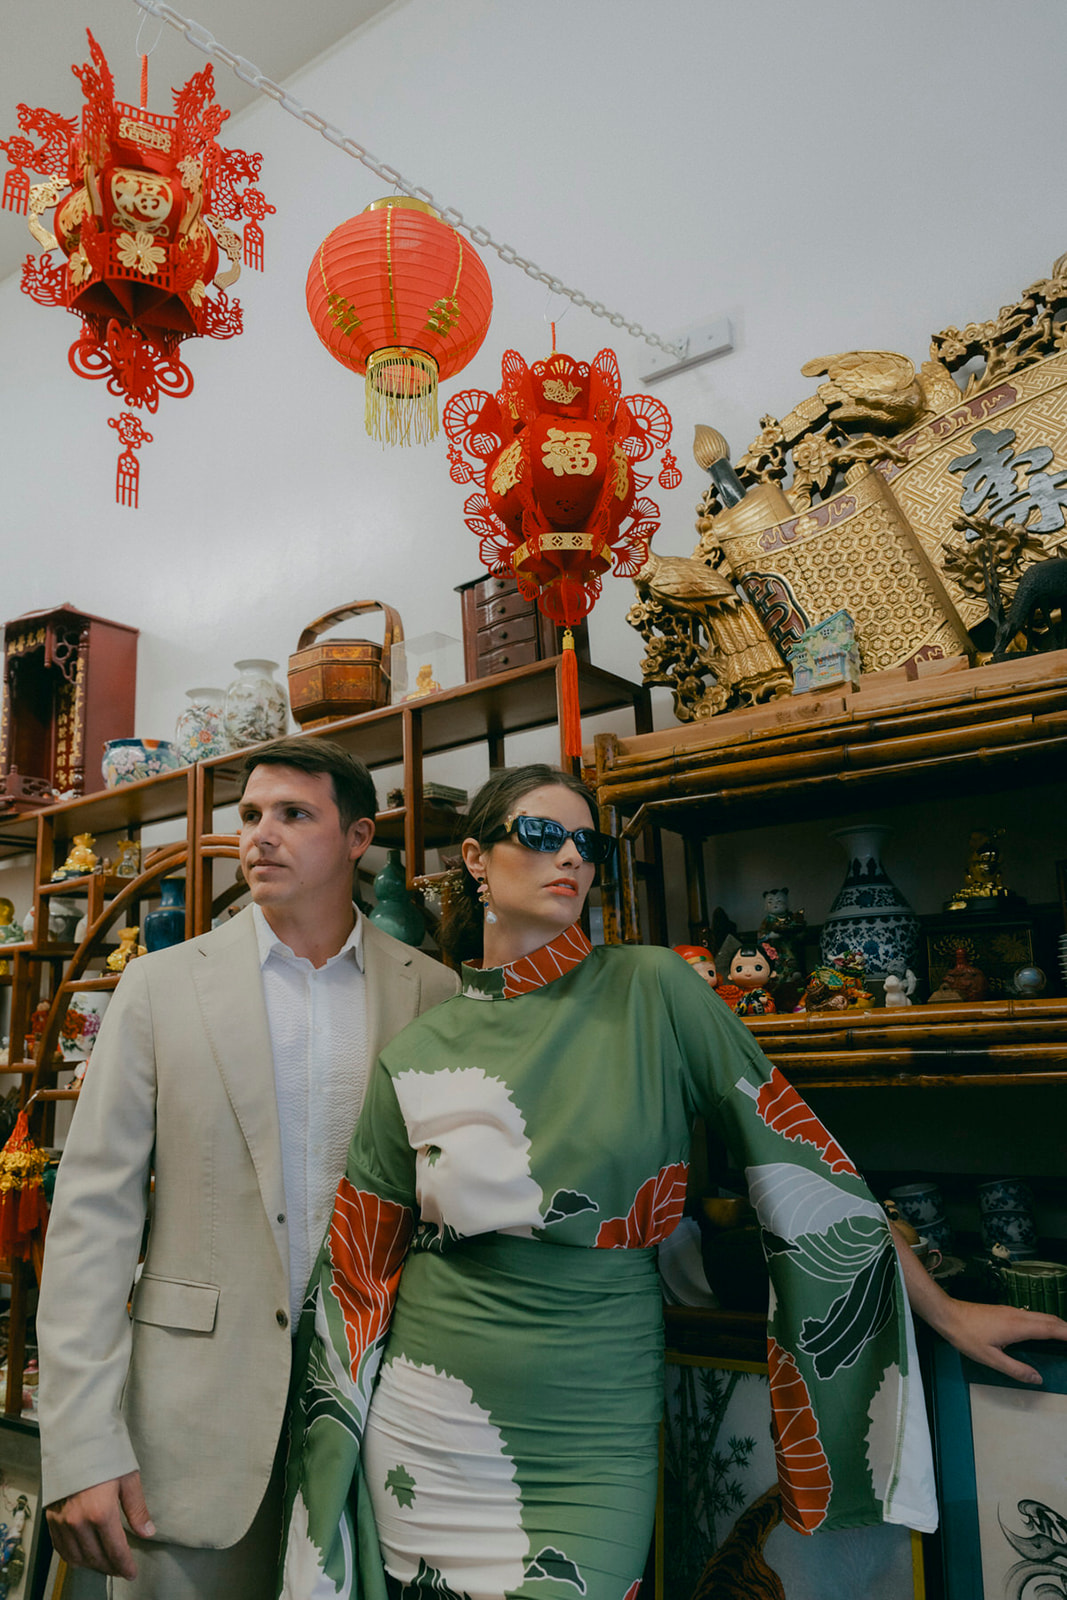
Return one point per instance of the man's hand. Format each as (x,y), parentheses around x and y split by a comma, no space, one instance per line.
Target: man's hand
(87,1529)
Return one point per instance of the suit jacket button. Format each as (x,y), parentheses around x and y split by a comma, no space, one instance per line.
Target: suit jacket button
(281,1319)
(281,1216)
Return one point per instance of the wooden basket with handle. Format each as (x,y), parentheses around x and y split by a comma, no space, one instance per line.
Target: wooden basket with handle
(341,677)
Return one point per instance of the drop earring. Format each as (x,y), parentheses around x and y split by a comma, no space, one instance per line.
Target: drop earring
(483,896)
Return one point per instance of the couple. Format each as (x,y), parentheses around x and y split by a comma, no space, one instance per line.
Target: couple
(521,1151)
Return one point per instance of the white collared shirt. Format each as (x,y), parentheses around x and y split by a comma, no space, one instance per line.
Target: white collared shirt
(318,1033)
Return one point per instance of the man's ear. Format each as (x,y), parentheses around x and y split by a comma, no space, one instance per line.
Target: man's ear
(473,857)
(360,835)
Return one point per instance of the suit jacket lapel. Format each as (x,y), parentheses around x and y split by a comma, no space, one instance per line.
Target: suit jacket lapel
(229,985)
(392,988)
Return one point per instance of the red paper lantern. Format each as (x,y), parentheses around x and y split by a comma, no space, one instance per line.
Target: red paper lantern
(151,198)
(561,504)
(397,294)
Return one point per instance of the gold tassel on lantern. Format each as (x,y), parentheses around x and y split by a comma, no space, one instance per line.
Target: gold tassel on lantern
(401,396)
(23,1208)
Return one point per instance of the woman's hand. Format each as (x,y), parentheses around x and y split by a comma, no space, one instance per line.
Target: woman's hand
(978,1331)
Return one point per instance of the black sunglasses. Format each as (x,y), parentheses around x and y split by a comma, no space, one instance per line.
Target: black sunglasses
(541,833)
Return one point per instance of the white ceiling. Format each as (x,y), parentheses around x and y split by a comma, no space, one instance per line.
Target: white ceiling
(41,39)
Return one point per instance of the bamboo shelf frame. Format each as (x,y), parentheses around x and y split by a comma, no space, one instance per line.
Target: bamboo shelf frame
(809,756)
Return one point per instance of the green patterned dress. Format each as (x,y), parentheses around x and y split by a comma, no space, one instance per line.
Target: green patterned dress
(522,1150)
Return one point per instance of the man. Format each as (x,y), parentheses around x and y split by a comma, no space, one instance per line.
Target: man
(232,1066)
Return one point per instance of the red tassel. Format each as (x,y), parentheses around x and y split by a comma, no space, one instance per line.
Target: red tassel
(23,1209)
(144,83)
(572,711)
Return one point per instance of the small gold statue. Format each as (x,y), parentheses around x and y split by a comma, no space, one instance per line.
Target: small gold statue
(983,884)
(128,948)
(128,858)
(425,683)
(81,860)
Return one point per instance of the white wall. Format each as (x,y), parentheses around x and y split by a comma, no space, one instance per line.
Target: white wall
(835,175)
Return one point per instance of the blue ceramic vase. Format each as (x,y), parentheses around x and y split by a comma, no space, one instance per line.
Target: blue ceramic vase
(166,925)
(395,912)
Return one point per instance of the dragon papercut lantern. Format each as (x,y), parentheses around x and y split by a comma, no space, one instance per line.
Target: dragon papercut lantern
(143,206)
(559,502)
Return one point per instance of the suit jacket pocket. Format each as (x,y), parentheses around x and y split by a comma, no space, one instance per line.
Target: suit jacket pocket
(173,1303)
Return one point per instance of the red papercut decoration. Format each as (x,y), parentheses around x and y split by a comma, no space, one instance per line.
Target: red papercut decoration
(553,450)
(397,294)
(143,205)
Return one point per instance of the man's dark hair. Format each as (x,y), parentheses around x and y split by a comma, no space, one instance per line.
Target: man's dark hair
(353,786)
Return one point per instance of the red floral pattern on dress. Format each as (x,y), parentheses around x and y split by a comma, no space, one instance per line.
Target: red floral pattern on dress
(655,1213)
(368,1241)
(561,955)
(803,1470)
(782,1109)
(633,1591)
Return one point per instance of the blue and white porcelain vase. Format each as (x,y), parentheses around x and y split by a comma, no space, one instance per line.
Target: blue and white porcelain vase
(870,914)
(166,925)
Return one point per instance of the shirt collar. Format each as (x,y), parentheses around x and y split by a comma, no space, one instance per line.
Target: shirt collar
(269,944)
(561,955)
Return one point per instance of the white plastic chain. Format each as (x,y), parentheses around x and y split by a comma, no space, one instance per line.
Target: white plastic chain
(249,73)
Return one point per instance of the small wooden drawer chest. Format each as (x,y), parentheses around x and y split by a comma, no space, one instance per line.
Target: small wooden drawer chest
(501,629)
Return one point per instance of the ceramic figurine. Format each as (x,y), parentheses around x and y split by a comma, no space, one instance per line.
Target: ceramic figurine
(895,992)
(700,959)
(80,861)
(127,858)
(838,986)
(969,982)
(10,931)
(127,949)
(750,970)
(786,930)
(826,655)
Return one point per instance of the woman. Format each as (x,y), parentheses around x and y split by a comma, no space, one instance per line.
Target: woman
(521,1151)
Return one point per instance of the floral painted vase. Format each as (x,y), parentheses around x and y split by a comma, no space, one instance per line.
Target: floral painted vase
(131,760)
(199,732)
(396,912)
(870,914)
(256,708)
(166,925)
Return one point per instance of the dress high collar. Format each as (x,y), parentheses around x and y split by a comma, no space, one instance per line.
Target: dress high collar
(553,960)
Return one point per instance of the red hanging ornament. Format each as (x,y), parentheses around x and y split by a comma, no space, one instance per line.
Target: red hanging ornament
(397,294)
(560,503)
(23,1208)
(143,203)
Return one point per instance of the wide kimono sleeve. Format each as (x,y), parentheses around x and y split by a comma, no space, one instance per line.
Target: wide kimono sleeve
(851,1436)
(329,1545)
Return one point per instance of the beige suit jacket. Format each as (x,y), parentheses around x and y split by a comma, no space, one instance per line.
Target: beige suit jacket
(191,1389)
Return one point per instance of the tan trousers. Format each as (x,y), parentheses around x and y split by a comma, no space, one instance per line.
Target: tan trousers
(246,1571)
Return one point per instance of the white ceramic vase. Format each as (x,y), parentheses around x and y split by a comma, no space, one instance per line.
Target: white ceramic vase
(256,708)
(870,914)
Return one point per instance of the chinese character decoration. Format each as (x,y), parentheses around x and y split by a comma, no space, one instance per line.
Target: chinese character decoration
(143,205)
(397,295)
(560,502)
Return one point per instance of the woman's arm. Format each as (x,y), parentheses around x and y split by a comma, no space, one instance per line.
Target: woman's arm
(978,1331)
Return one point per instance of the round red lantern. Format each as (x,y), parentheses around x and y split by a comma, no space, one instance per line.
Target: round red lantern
(396,294)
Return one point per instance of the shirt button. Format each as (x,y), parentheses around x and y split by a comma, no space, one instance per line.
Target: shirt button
(281,1319)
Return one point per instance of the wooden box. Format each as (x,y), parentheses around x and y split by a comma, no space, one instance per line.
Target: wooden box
(501,629)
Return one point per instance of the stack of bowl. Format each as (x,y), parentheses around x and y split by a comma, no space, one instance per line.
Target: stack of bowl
(1006,1209)
(923,1206)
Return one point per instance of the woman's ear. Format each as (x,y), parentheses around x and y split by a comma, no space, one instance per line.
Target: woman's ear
(473,857)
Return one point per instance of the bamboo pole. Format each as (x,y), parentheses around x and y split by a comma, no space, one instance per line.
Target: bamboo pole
(761,743)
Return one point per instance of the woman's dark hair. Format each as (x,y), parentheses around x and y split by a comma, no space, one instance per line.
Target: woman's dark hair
(460,934)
